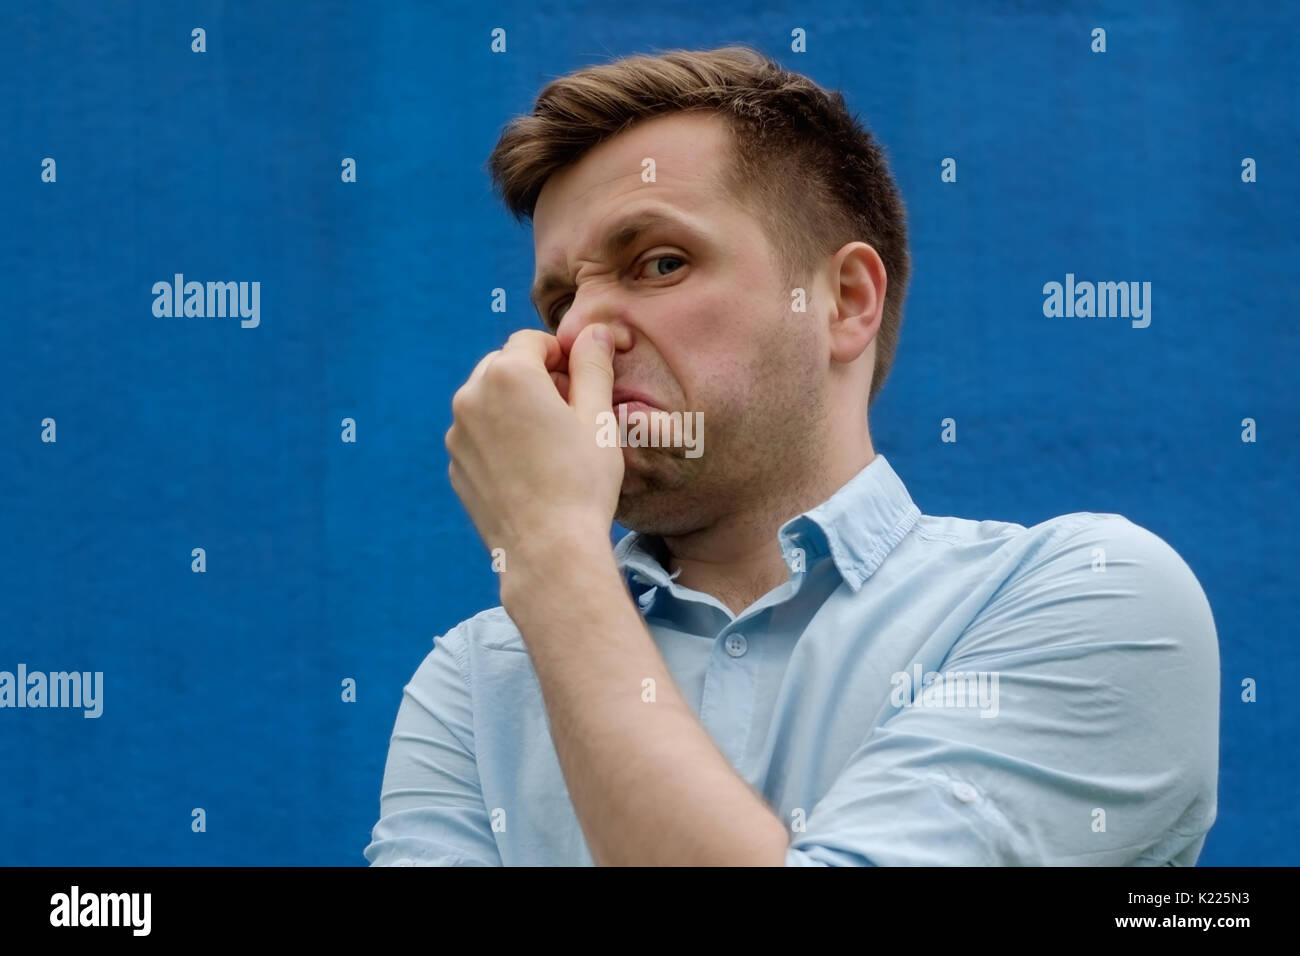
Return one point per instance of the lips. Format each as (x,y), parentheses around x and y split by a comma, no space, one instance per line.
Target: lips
(632,398)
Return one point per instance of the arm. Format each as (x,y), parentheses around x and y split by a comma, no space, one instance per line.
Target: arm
(1104,746)
(647,783)
(645,779)
(431,808)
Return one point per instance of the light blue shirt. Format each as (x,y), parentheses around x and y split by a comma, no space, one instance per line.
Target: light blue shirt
(922,691)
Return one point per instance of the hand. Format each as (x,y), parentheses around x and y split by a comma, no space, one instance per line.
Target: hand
(524,457)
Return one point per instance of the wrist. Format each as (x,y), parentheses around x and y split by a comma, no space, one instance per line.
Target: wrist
(555,563)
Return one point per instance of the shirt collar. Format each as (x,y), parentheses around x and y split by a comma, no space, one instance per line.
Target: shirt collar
(859,526)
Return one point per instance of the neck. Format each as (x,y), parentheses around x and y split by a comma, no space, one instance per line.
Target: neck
(737,559)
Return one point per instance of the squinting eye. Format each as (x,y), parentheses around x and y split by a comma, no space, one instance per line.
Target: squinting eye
(554,321)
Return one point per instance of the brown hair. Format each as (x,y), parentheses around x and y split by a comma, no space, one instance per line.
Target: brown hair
(810,173)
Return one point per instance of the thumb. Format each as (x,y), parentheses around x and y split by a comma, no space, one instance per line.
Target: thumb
(591,372)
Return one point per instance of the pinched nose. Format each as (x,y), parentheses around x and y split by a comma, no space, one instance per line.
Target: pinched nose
(624,337)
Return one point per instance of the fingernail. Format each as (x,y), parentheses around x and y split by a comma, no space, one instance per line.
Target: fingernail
(603,337)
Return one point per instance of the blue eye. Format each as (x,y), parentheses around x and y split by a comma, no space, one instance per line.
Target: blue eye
(671,258)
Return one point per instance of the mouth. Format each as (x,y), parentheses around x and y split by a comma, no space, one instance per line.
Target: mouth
(635,401)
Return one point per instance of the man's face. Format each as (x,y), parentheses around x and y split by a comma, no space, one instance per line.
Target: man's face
(701,319)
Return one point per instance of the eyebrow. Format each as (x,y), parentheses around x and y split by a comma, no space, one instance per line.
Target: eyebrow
(621,235)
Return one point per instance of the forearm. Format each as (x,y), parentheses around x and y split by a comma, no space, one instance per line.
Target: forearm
(647,782)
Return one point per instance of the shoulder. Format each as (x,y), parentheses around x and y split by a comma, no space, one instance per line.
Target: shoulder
(1115,549)
(490,628)
(1103,581)
(1084,579)
(460,649)
(1101,542)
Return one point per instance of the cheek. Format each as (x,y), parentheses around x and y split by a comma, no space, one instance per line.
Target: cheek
(699,342)
(720,346)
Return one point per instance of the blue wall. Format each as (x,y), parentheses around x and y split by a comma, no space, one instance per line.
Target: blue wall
(329,560)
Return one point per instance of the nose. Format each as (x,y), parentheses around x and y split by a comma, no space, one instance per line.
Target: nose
(577,317)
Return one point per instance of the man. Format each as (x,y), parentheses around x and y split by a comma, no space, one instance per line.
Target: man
(785,662)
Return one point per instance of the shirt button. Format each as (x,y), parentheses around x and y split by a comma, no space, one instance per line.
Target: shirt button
(964,792)
(737,645)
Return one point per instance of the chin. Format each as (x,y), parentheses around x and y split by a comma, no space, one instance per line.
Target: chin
(656,497)
(649,519)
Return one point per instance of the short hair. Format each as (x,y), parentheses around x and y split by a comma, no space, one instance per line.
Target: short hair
(809,172)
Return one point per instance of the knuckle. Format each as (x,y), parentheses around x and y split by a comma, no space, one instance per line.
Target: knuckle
(522,336)
(502,371)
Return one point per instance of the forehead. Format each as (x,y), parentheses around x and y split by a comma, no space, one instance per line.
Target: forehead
(690,154)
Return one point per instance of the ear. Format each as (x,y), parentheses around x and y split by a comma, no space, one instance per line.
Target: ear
(857,284)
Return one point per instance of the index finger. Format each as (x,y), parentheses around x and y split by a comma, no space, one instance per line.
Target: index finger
(542,346)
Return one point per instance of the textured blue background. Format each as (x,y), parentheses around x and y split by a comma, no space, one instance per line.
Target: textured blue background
(329,560)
